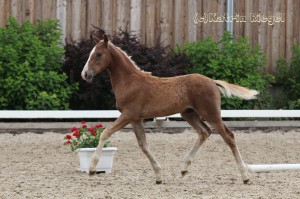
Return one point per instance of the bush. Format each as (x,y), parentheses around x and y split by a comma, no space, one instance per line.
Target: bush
(233,61)
(156,60)
(31,57)
(288,76)
(98,94)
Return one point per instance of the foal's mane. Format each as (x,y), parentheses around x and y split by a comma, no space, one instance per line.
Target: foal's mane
(128,57)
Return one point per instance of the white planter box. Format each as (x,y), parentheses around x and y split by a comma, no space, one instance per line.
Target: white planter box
(106,159)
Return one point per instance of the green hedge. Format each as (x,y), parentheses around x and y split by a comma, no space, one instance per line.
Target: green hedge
(31,57)
(288,77)
(234,61)
(32,65)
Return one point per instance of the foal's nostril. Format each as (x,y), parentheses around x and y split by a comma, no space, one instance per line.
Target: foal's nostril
(89,76)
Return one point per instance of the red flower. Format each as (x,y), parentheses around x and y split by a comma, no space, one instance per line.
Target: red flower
(99,125)
(93,133)
(76,133)
(91,129)
(73,129)
(68,137)
(84,126)
(68,142)
(82,122)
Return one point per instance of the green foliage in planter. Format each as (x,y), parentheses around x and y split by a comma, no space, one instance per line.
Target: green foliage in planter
(31,57)
(84,137)
(289,77)
(233,61)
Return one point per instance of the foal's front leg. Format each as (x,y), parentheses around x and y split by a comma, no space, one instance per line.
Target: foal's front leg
(121,122)
(141,138)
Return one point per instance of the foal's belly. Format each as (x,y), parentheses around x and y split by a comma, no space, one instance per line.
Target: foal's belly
(166,102)
(161,112)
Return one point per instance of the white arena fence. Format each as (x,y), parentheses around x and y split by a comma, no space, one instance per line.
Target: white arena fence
(112,114)
(252,118)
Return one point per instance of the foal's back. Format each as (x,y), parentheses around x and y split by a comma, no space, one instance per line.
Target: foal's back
(166,96)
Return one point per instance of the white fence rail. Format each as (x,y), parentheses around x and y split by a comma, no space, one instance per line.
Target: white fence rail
(110,114)
(163,122)
(115,114)
(259,168)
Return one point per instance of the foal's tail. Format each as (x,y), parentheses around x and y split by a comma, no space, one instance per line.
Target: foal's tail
(230,90)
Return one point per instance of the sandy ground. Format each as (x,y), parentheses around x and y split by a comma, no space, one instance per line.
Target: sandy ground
(40,166)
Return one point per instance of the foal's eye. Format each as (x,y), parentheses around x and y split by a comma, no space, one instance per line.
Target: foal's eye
(98,55)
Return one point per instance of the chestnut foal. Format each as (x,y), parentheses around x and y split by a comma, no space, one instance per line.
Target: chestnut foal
(140,95)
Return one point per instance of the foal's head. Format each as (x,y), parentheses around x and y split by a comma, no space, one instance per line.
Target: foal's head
(98,61)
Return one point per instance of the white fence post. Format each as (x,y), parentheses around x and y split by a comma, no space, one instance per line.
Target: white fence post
(61,15)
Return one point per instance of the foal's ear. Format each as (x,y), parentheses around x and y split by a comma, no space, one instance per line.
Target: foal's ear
(96,39)
(105,40)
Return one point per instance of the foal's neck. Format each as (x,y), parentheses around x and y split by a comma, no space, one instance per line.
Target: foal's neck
(121,61)
(121,70)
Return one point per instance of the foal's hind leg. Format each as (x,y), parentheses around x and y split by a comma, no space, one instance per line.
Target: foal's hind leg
(228,137)
(203,133)
(141,138)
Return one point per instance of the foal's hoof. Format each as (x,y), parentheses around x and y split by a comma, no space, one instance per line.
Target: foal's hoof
(247,181)
(91,173)
(184,173)
(159,182)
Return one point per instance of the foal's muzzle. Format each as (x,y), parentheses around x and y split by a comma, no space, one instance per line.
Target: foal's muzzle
(87,75)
